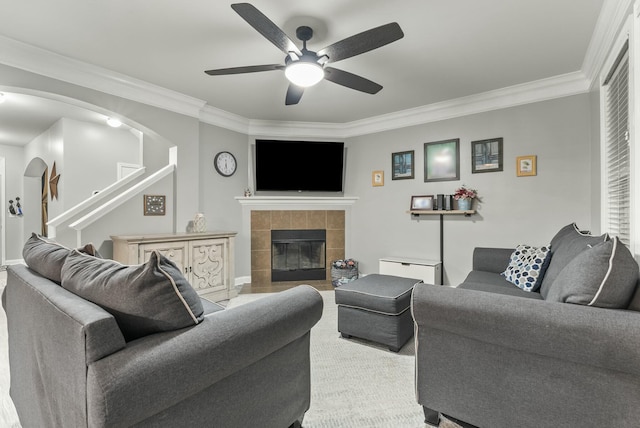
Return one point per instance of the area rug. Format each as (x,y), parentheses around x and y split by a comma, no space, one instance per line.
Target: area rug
(356,383)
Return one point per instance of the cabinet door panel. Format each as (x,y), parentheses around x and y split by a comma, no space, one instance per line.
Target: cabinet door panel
(209,270)
(174,251)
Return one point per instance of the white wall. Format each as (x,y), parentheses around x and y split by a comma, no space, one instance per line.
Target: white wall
(14,170)
(514,210)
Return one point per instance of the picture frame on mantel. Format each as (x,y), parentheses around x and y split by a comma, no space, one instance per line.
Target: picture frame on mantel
(486,156)
(442,160)
(402,165)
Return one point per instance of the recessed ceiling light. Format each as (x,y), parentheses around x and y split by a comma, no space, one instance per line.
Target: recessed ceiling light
(113,122)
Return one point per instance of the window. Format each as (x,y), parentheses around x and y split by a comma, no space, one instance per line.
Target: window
(616,156)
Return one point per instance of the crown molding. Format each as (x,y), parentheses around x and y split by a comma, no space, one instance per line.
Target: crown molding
(612,17)
(540,90)
(33,59)
(46,63)
(224,119)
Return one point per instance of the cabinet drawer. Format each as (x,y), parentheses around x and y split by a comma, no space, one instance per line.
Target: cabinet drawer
(426,270)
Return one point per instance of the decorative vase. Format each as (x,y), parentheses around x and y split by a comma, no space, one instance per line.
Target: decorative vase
(464,204)
(199,223)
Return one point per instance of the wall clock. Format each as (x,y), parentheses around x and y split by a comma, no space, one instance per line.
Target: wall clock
(225,164)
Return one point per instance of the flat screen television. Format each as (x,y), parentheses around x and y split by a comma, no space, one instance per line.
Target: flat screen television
(314,166)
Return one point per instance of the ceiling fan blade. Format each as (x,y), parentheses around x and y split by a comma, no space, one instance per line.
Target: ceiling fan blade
(363,42)
(247,69)
(266,27)
(294,93)
(351,80)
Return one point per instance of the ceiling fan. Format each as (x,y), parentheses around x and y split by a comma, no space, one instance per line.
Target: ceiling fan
(304,68)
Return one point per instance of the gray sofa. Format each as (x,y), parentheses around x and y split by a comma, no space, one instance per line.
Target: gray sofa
(71,366)
(493,355)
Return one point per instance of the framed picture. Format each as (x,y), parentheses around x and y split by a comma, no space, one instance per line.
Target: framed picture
(154,205)
(402,165)
(422,203)
(486,155)
(442,160)
(526,166)
(377,178)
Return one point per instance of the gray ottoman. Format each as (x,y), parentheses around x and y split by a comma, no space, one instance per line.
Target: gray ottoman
(376,308)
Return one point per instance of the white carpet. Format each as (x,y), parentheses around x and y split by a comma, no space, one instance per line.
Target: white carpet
(354,384)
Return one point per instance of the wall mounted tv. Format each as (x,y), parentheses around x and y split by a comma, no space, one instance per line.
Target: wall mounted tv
(315,166)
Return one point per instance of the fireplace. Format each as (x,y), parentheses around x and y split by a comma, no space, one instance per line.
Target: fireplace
(298,255)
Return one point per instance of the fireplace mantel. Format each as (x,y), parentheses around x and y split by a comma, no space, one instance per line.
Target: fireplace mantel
(296,202)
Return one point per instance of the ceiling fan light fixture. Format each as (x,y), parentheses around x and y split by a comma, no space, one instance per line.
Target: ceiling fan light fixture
(304,73)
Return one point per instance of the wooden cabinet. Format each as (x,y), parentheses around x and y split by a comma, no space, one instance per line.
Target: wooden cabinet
(206,259)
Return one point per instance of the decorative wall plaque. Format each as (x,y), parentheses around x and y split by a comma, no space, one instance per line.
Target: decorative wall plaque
(155,204)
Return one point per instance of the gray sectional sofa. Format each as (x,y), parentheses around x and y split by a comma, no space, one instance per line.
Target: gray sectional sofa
(567,355)
(182,362)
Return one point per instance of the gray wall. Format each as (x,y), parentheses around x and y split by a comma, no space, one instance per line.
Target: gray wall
(217,193)
(91,155)
(514,210)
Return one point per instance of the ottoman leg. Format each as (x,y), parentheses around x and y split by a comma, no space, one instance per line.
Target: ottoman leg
(394,349)
(346,336)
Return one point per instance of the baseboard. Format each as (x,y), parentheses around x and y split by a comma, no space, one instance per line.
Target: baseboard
(241,280)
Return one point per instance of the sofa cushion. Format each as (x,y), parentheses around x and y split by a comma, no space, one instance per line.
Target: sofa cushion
(568,243)
(144,299)
(604,276)
(494,283)
(46,256)
(527,266)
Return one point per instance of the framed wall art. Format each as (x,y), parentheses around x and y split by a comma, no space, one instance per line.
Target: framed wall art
(422,203)
(526,166)
(377,178)
(402,165)
(442,160)
(486,155)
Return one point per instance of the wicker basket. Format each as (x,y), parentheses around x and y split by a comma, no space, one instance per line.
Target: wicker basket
(341,273)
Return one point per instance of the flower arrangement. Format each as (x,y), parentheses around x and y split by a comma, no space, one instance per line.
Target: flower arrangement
(465,193)
(344,264)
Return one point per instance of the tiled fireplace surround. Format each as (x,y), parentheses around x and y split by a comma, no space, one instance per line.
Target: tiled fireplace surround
(263,221)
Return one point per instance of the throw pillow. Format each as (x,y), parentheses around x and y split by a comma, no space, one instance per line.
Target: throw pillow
(604,276)
(527,266)
(144,299)
(46,256)
(568,243)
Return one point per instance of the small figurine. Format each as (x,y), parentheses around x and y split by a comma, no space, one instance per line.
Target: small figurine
(18,206)
(12,209)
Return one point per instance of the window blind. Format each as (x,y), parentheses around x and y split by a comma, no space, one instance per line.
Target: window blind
(617,154)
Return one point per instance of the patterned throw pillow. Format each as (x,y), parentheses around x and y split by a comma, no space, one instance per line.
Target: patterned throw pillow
(527,266)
